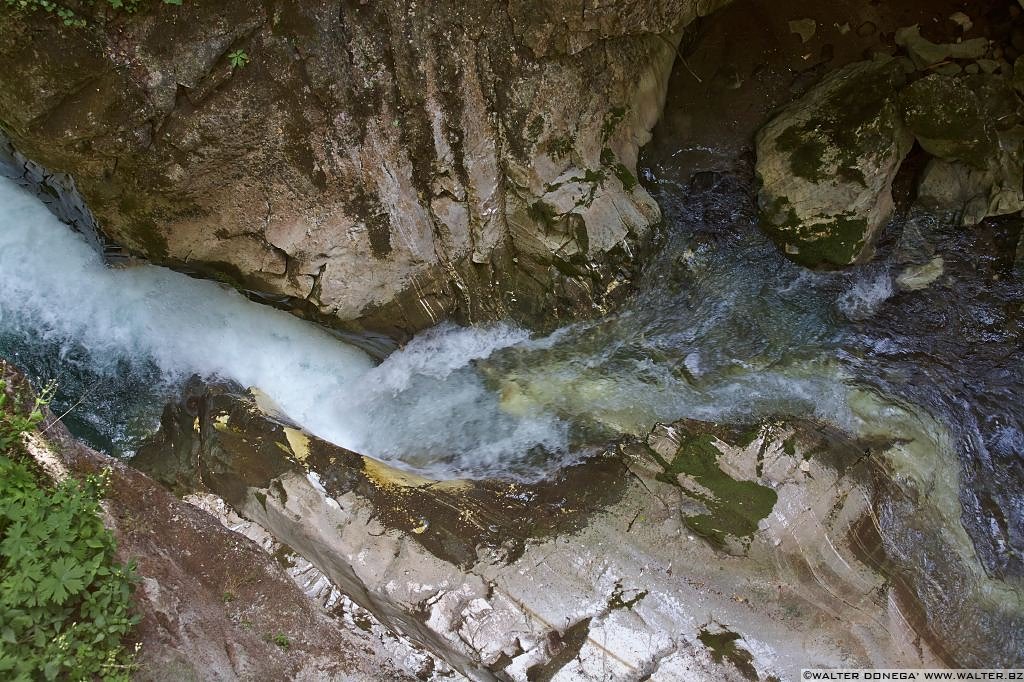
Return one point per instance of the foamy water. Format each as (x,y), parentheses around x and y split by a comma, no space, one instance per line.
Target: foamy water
(424,404)
(715,349)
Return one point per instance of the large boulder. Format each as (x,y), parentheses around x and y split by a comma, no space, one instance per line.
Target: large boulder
(949,120)
(378,164)
(826,164)
(972,125)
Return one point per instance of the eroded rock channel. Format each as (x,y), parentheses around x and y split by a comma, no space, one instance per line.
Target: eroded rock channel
(780,425)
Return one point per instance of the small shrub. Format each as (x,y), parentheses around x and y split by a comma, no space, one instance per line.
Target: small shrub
(64,600)
(238,58)
(281,640)
(67,15)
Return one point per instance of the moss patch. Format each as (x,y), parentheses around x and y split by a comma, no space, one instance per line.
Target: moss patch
(946,117)
(806,155)
(836,242)
(789,446)
(559,147)
(535,128)
(611,122)
(722,646)
(567,645)
(734,507)
(627,179)
(858,117)
(840,242)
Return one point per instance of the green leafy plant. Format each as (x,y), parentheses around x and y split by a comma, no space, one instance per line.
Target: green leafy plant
(282,640)
(238,58)
(67,15)
(13,422)
(65,602)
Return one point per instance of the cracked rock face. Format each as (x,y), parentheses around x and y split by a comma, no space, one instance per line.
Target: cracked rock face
(698,552)
(378,165)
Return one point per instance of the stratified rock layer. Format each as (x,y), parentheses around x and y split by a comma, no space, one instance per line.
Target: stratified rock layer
(698,552)
(382,164)
(212,604)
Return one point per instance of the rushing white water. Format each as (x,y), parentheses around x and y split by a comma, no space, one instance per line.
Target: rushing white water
(867,293)
(739,336)
(423,404)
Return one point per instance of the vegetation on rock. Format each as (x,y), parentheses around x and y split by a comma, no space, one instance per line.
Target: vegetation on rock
(65,602)
(238,58)
(68,15)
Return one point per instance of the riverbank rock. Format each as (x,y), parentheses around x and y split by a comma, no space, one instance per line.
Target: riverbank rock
(379,166)
(925,53)
(826,164)
(700,551)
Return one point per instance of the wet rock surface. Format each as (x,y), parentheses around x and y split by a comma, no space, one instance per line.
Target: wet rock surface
(931,345)
(959,102)
(698,550)
(376,166)
(972,125)
(725,552)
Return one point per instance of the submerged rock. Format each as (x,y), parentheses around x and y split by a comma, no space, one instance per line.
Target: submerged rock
(917,277)
(827,161)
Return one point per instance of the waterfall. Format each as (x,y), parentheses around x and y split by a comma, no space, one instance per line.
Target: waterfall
(423,403)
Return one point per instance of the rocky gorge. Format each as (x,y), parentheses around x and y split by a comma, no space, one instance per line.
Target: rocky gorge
(669,341)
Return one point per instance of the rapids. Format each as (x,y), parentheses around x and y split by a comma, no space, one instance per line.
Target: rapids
(722,327)
(918,351)
(120,341)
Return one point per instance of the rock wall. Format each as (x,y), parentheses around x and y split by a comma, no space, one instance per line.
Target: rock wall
(385,165)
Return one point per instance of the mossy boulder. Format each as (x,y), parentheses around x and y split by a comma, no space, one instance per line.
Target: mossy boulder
(948,119)
(974,127)
(826,164)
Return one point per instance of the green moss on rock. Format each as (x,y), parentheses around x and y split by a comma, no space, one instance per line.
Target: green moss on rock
(806,155)
(722,646)
(826,165)
(559,147)
(735,507)
(948,120)
(611,122)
